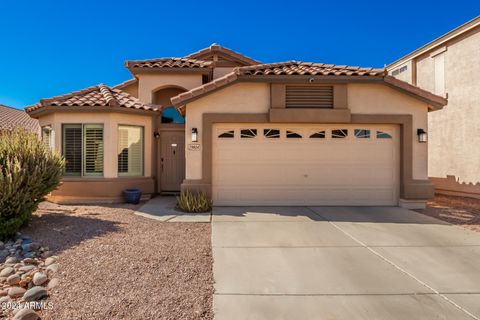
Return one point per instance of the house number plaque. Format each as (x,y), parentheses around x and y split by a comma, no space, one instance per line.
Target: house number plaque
(194,147)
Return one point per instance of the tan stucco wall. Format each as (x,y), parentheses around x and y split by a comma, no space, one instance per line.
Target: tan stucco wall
(406,75)
(255,98)
(221,71)
(131,89)
(454,132)
(110,122)
(238,98)
(380,99)
(150,82)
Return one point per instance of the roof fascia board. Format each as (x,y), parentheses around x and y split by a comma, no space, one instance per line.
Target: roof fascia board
(475,22)
(136,71)
(89,109)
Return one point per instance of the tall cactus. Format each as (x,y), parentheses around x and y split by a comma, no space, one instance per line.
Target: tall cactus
(28,172)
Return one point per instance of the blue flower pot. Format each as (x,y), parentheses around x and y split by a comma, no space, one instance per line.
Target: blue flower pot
(132,195)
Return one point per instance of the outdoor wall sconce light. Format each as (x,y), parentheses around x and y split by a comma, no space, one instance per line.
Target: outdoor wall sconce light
(156,135)
(194,135)
(422,135)
(47,128)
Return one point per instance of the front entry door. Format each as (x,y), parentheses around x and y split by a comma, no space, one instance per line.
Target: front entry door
(172,160)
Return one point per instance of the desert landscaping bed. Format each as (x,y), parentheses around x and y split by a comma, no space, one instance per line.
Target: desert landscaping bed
(116,265)
(456,210)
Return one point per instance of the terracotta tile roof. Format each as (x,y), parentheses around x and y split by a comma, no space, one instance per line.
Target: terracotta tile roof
(278,69)
(11,118)
(172,63)
(215,48)
(308,68)
(96,96)
(295,68)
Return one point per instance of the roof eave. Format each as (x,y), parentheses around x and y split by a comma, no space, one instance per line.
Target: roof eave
(140,70)
(469,25)
(89,109)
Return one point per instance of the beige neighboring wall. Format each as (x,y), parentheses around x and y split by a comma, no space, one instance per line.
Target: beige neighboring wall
(454,131)
(148,83)
(110,185)
(254,98)
(238,98)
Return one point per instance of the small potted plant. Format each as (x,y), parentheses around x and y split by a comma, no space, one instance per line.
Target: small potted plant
(132,195)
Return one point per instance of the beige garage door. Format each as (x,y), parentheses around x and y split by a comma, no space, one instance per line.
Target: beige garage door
(267,164)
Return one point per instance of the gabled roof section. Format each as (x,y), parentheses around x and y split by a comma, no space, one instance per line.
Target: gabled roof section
(304,72)
(474,23)
(96,96)
(124,84)
(11,118)
(217,50)
(168,65)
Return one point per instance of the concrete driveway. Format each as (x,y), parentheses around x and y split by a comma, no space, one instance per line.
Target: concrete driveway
(342,263)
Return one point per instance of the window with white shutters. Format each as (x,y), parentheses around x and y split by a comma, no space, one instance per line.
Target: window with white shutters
(83,149)
(93,149)
(72,149)
(130,150)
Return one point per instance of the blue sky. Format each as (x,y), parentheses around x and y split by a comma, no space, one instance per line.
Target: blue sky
(52,47)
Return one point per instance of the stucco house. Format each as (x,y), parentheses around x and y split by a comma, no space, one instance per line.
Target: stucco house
(246,133)
(449,66)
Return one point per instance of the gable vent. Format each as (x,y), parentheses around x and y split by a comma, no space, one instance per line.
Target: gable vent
(309,96)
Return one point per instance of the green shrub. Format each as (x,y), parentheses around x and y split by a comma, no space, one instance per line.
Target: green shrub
(193,202)
(28,172)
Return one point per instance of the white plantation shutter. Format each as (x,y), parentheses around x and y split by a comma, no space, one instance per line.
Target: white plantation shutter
(93,149)
(130,150)
(72,148)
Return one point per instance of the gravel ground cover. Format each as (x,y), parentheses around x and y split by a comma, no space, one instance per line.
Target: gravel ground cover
(456,210)
(116,265)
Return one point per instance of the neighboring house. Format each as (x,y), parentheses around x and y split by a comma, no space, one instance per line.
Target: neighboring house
(245,133)
(449,66)
(11,118)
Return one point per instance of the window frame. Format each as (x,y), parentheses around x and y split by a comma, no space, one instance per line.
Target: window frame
(50,145)
(82,173)
(123,174)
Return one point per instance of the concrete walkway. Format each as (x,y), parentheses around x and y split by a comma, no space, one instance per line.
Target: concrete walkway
(342,263)
(162,208)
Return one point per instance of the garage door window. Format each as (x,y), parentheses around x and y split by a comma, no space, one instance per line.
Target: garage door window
(318,135)
(339,133)
(362,133)
(293,134)
(271,133)
(227,134)
(248,133)
(383,135)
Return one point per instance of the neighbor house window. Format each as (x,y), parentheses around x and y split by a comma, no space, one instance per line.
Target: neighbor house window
(47,136)
(83,149)
(130,150)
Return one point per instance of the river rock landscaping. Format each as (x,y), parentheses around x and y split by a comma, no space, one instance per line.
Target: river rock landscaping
(27,274)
